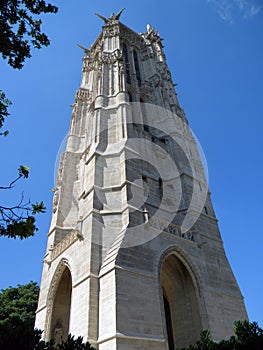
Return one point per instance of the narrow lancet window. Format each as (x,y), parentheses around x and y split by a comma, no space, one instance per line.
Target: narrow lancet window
(137,68)
(127,65)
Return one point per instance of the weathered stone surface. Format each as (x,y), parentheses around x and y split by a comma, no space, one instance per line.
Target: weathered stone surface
(133,234)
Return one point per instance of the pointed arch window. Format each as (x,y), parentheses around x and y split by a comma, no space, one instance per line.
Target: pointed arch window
(137,68)
(60,318)
(182,319)
(127,65)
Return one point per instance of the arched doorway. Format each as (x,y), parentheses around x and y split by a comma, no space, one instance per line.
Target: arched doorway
(59,327)
(181,311)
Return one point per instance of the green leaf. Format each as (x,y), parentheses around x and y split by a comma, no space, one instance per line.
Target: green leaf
(20,23)
(23,171)
(38,208)
(23,228)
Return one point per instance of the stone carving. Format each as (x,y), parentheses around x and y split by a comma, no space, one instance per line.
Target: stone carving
(111,31)
(153,35)
(171,228)
(62,162)
(155,80)
(164,72)
(146,92)
(55,199)
(86,66)
(159,49)
(48,260)
(131,38)
(89,66)
(58,333)
(86,51)
(121,75)
(82,95)
(70,238)
(146,53)
(153,39)
(111,57)
(180,112)
(93,55)
(112,18)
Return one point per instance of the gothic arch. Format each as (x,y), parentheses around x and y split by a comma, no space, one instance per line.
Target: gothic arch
(126,59)
(180,297)
(59,303)
(137,67)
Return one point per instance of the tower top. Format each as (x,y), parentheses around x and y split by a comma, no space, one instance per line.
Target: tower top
(112,17)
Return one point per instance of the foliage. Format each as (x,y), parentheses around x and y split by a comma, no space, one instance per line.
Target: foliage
(17,317)
(19,303)
(205,342)
(4,104)
(20,28)
(247,336)
(19,220)
(69,344)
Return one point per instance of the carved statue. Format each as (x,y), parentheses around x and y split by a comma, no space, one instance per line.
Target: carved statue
(58,332)
(55,199)
(87,51)
(113,17)
(149,28)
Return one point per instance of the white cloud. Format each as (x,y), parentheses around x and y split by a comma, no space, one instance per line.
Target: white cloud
(255,9)
(226,9)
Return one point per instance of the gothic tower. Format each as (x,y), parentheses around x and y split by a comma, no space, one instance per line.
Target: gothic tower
(134,257)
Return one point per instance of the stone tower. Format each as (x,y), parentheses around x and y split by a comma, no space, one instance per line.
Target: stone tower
(134,257)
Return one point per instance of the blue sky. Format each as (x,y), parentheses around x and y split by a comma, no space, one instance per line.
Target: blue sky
(215,52)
